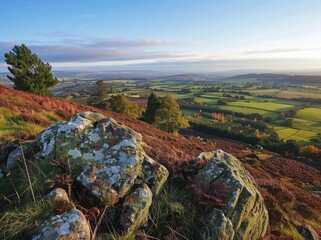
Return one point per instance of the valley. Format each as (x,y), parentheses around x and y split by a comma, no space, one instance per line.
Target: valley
(292,108)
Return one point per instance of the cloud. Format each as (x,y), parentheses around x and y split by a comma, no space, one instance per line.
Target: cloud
(96,50)
(281,50)
(117,42)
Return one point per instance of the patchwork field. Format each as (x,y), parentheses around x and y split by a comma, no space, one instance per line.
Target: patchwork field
(246,96)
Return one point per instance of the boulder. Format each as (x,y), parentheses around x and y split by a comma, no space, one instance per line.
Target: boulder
(244,215)
(70,225)
(135,208)
(110,162)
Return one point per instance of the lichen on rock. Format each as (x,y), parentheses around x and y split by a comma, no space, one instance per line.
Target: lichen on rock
(244,215)
(110,159)
(69,225)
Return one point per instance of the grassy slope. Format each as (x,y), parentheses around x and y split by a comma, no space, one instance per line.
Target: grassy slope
(284,183)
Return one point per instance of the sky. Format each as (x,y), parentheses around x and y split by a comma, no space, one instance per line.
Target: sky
(166,35)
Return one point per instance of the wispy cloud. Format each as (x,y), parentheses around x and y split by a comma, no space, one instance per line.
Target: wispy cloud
(96,50)
(282,50)
(116,42)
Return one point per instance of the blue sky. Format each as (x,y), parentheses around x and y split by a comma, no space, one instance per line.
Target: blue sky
(198,35)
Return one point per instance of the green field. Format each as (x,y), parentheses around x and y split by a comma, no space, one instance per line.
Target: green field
(294,134)
(311,114)
(268,100)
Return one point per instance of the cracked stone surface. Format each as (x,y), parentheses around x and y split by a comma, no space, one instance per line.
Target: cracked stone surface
(113,165)
(244,216)
(69,225)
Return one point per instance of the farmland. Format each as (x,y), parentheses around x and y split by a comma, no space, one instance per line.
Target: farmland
(293,109)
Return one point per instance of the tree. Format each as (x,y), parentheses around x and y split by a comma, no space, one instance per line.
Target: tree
(120,104)
(168,117)
(29,73)
(153,104)
(97,98)
(222,102)
(288,122)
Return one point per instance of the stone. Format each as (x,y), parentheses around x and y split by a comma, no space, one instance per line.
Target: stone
(135,208)
(14,157)
(218,226)
(110,155)
(154,174)
(110,161)
(70,225)
(57,194)
(308,232)
(244,215)
(17,154)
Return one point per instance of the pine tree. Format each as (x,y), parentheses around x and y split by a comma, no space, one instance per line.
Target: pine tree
(29,73)
(153,104)
(97,98)
(168,117)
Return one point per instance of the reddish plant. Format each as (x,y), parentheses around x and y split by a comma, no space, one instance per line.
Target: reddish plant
(91,214)
(209,195)
(61,181)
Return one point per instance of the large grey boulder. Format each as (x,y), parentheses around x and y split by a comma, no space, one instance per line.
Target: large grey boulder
(109,161)
(244,215)
(70,225)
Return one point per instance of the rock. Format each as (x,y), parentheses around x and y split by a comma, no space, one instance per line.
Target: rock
(60,201)
(109,153)
(154,174)
(17,154)
(308,232)
(57,194)
(135,208)
(218,226)
(109,160)
(70,225)
(14,157)
(244,214)
(5,150)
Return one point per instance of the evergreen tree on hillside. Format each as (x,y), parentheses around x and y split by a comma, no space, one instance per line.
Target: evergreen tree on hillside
(96,99)
(153,104)
(29,73)
(168,117)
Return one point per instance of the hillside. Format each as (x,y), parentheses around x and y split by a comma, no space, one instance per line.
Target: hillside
(279,77)
(288,186)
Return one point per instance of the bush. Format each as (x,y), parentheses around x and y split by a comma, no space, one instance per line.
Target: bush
(222,102)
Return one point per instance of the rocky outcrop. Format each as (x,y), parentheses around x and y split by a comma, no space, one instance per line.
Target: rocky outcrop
(64,221)
(244,215)
(109,161)
(106,159)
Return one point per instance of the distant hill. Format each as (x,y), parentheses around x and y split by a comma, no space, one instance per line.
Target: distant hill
(279,77)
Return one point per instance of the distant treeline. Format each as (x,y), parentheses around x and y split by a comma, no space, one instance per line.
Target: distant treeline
(280,77)
(217,110)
